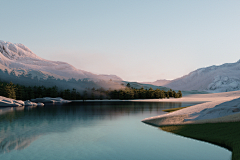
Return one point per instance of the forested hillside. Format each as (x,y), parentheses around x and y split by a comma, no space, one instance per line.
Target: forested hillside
(30,78)
(22,92)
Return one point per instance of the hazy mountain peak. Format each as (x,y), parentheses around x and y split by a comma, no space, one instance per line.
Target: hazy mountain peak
(160,82)
(15,56)
(16,51)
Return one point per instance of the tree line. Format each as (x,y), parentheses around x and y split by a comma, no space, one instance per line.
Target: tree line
(132,93)
(21,92)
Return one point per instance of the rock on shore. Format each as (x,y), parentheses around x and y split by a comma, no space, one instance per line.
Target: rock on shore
(50,100)
(8,102)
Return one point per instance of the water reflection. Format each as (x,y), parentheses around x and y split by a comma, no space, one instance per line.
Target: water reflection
(95,130)
(21,126)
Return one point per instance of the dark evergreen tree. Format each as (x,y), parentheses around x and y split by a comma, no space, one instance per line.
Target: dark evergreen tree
(74,94)
(85,95)
(92,96)
(179,94)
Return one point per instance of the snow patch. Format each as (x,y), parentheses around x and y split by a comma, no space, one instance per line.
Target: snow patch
(14,56)
(29,103)
(8,102)
(223,78)
(224,84)
(221,110)
(50,100)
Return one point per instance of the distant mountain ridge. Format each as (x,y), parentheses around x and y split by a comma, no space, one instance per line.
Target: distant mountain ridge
(160,82)
(222,78)
(19,57)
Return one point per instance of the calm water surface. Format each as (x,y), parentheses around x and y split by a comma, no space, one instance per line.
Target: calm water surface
(97,131)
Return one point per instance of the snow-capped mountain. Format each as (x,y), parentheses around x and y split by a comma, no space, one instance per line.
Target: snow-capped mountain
(221,78)
(22,59)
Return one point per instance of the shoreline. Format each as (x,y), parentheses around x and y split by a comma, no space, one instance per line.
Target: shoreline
(216,121)
(195,114)
(143,100)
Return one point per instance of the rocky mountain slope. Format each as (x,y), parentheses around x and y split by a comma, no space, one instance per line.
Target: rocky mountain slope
(22,59)
(223,78)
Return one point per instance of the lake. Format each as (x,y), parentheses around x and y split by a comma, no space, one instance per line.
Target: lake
(97,131)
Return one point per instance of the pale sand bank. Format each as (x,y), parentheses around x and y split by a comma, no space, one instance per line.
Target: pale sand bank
(218,107)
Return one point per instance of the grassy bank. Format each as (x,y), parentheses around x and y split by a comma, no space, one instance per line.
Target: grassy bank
(173,109)
(223,134)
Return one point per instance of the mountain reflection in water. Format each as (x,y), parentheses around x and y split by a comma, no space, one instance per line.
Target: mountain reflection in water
(95,130)
(21,126)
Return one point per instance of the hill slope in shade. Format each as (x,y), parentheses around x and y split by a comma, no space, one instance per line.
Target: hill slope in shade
(160,82)
(144,85)
(19,57)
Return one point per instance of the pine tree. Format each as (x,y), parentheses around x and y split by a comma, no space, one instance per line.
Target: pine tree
(92,96)
(9,91)
(179,94)
(73,94)
(85,95)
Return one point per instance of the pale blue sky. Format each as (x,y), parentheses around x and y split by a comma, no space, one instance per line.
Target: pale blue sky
(138,40)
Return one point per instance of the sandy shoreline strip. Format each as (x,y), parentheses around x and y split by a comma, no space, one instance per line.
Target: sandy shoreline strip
(217,107)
